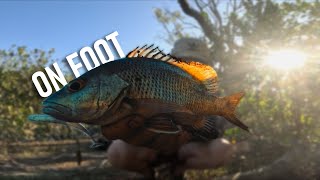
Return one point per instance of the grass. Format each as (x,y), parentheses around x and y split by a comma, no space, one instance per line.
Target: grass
(56,160)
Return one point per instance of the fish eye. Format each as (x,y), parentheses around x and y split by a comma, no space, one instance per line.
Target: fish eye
(76,85)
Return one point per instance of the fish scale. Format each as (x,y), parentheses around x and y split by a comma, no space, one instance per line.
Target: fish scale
(160,83)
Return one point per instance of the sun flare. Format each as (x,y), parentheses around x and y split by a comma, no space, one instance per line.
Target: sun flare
(285,59)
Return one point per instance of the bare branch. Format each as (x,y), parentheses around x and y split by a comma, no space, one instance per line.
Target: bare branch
(214,9)
(190,25)
(198,5)
(205,25)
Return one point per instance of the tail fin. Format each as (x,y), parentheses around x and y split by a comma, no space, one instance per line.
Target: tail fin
(231,103)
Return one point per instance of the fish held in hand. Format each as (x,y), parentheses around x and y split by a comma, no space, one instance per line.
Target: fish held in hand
(166,93)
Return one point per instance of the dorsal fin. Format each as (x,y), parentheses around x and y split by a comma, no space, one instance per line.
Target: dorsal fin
(204,73)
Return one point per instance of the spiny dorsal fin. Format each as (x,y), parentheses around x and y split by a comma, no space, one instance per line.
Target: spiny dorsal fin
(204,73)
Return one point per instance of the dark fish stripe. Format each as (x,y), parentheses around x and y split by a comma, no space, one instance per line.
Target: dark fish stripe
(151,51)
(145,49)
(160,52)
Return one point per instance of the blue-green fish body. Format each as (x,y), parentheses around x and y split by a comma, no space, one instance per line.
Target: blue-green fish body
(165,95)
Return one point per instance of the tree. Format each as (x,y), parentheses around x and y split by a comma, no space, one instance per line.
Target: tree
(279,106)
(19,98)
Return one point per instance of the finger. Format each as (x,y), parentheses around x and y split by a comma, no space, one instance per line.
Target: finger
(188,150)
(212,156)
(225,150)
(146,154)
(115,153)
(126,156)
(220,143)
(196,163)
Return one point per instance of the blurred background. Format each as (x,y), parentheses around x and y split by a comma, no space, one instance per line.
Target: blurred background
(267,48)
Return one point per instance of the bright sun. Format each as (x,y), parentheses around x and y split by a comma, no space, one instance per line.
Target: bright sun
(285,59)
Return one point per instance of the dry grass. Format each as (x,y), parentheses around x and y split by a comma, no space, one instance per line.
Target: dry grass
(56,160)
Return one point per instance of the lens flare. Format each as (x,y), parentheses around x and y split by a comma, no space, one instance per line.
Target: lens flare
(285,59)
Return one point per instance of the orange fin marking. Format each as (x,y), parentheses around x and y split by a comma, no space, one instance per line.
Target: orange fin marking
(201,72)
(231,103)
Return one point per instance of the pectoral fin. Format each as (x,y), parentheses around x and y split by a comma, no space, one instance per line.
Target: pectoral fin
(162,123)
(152,108)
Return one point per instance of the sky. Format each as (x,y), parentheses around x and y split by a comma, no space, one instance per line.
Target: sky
(69,26)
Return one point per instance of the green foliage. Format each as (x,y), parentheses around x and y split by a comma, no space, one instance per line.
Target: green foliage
(19,98)
(173,19)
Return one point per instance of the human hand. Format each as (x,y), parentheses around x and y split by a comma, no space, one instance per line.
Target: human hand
(132,158)
(197,155)
(193,155)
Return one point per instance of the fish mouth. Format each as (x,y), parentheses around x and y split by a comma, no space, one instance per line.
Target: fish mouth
(56,110)
(51,110)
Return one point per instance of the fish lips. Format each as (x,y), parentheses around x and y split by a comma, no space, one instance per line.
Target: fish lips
(56,110)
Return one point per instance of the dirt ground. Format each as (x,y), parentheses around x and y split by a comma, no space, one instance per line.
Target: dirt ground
(56,160)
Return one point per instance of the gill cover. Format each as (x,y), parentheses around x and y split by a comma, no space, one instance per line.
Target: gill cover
(112,89)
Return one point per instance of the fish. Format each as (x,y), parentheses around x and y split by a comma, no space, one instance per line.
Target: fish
(148,98)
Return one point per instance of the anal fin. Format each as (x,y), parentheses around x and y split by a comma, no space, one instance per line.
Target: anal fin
(207,129)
